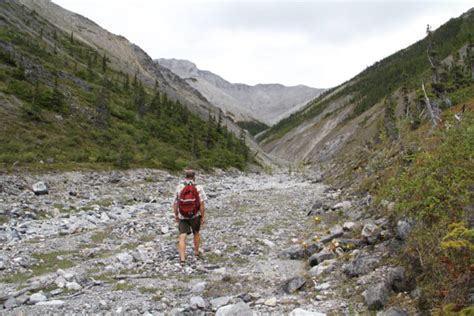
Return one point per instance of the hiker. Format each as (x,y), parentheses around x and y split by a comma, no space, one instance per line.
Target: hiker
(189,212)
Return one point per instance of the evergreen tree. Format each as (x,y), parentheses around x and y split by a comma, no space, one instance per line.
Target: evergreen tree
(390,122)
(71,38)
(126,83)
(57,98)
(90,69)
(243,146)
(140,100)
(155,104)
(102,109)
(104,64)
(219,122)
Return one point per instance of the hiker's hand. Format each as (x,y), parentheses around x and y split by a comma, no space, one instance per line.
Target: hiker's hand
(202,221)
(176,218)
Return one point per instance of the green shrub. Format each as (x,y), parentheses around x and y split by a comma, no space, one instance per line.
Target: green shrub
(437,190)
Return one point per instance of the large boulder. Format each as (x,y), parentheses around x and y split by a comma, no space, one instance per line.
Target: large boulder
(239,309)
(376,296)
(40,188)
(360,265)
(398,281)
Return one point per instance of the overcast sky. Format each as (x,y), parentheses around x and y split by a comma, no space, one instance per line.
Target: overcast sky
(320,44)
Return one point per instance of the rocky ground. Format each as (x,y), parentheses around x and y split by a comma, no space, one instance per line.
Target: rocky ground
(272,244)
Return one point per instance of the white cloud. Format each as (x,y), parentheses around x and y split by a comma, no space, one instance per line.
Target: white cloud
(316,43)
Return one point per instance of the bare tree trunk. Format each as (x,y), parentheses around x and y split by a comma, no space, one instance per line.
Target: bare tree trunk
(433,119)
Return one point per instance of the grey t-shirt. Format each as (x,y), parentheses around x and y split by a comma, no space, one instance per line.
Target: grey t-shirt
(202,195)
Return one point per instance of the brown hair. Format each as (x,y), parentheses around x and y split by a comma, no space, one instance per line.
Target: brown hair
(190,174)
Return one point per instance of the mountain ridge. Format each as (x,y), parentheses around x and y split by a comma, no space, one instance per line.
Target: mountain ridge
(266,103)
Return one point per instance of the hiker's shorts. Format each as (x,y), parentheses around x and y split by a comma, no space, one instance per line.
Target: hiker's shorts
(187,225)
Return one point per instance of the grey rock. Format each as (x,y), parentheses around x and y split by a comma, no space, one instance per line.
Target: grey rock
(73,286)
(40,188)
(37,297)
(404,228)
(197,302)
(349,226)
(52,303)
(376,296)
(360,265)
(271,301)
(370,233)
(302,312)
(239,309)
(323,286)
(60,282)
(321,256)
(220,301)
(398,281)
(56,292)
(324,267)
(125,258)
(198,287)
(344,205)
(294,252)
(393,311)
(11,303)
(2,265)
(68,276)
(165,230)
(335,232)
(294,284)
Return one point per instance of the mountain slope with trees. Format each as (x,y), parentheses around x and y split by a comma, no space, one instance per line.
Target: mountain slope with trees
(67,104)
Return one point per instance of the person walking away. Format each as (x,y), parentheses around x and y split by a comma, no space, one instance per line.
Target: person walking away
(189,212)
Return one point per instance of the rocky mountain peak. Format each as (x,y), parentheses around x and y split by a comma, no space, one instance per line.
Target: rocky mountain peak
(266,103)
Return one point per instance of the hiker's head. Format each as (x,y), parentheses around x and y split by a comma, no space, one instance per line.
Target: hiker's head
(190,174)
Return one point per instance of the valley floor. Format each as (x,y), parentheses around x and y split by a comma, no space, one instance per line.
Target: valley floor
(107,242)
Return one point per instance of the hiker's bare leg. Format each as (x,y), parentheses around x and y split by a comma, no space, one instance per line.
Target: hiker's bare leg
(197,241)
(182,247)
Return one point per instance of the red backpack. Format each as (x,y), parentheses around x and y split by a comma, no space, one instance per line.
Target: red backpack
(188,200)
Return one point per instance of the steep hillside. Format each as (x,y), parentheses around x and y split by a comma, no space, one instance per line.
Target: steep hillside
(65,102)
(351,115)
(266,103)
(131,59)
(400,135)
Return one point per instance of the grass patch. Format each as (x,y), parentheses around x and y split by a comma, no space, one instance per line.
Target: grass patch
(100,236)
(3,219)
(19,277)
(123,286)
(147,290)
(147,238)
(49,262)
(213,258)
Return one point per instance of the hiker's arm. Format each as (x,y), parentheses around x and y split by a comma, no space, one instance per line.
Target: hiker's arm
(203,211)
(175,209)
